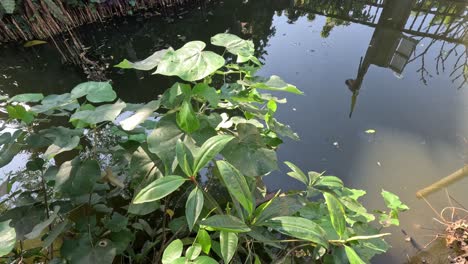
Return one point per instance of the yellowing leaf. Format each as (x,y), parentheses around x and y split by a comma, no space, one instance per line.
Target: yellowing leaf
(34,43)
(370,131)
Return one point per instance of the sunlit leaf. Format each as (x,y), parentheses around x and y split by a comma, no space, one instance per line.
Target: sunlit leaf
(96,92)
(140,115)
(228,242)
(226,223)
(172,252)
(193,251)
(297,173)
(393,201)
(145,65)
(26,98)
(274,83)
(299,227)
(187,118)
(190,62)
(102,113)
(236,184)
(370,131)
(7,238)
(353,256)
(19,112)
(336,211)
(194,206)
(244,49)
(158,189)
(204,239)
(207,92)
(209,150)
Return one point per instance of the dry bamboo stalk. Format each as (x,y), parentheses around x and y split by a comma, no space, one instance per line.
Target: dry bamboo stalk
(444,182)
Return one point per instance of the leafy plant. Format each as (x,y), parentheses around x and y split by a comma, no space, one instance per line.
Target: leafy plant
(176,180)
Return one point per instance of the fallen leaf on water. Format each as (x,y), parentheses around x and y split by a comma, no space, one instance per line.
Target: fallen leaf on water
(370,131)
(34,43)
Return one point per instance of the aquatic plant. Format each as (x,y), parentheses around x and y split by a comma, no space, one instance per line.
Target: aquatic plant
(176,180)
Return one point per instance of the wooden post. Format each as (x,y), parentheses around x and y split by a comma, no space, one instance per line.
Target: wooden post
(444,182)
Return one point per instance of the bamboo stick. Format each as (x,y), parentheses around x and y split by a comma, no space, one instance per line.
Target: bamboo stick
(444,182)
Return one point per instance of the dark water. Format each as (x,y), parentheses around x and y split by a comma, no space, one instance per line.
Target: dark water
(405,62)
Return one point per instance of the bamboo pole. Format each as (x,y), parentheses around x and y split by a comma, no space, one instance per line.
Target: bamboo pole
(444,182)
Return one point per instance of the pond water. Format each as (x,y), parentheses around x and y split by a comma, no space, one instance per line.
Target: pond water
(397,67)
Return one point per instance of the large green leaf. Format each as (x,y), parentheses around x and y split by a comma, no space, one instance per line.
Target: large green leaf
(102,113)
(144,167)
(228,242)
(194,206)
(55,233)
(248,154)
(193,251)
(140,115)
(37,230)
(393,201)
(7,238)
(20,113)
(353,256)
(299,227)
(175,95)
(8,152)
(163,140)
(204,239)
(96,92)
(63,139)
(8,5)
(190,62)
(226,223)
(274,83)
(23,218)
(184,158)
(172,252)
(158,189)
(337,213)
(26,98)
(54,101)
(244,49)
(209,150)
(187,118)
(207,92)
(144,65)
(280,206)
(83,252)
(75,178)
(144,208)
(236,184)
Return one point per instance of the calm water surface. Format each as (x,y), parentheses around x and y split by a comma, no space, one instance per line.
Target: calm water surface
(398,67)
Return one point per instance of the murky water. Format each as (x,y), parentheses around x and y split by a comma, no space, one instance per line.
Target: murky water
(397,67)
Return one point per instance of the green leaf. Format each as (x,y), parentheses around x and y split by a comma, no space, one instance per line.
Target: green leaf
(205,260)
(7,238)
(102,113)
(184,158)
(204,239)
(297,173)
(274,83)
(328,183)
(190,62)
(226,223)
(145,65)
(187,118)
(248,154)
(236,184)
(8,152)
(27,97)
(193,251)
(37,230)
(337,213)
(116,223)
(172,252)
(8,5)
(63,139)
(75,178)
(353,256)
(83,252)
(19,112)
(279,206)
(194,206)
(140,115)
(158,189)
(209,150)
(299,227)
(175,95)
(244,49)
(228,242)
(393,201)
(207,92)
(144,208)
(95,92)
(55,233)
(163,140)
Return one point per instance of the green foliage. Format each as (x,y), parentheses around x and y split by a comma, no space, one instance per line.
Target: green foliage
(178,179)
